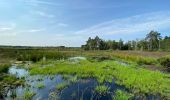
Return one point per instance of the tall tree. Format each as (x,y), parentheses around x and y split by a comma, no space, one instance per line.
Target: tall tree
(153,38)
(120,44)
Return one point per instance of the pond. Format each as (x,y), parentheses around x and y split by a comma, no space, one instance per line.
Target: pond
(45,86)
(83,88)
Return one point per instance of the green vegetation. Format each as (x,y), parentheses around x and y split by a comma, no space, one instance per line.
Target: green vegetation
(40,85)
(7,80)
(121,95)
(165,61)
(137,59)
(152,42)
(137,80)
(61,86)
(73,79)
(102,89)
(100,65)
(4,68)
(28,95)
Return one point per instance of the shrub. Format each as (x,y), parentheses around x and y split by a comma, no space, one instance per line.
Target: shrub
(165,61)
(4,68)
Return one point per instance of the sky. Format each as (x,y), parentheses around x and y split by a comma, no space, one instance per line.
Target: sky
(71,22)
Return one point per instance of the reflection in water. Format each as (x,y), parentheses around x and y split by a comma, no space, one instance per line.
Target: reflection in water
(82,89)
(18,72)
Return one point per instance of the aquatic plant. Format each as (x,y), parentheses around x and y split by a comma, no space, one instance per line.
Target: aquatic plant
(73,79)
(136,79)
(40,79)
(61,86)
(121,95)
(53,96)
(40,85)
(65,76)
(4,68)
(28,95)
(102,89)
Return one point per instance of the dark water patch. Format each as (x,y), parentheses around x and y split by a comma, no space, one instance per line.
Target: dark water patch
(85,89)
(81,89)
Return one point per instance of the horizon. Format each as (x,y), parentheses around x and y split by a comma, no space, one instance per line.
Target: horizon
(67,23)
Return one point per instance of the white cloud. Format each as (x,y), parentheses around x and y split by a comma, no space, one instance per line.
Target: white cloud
(7,26)
(130,25)
(62,24)
(40,2)
(43,14)
(35,30)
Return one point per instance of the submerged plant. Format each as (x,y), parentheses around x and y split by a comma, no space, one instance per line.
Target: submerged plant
(102,89)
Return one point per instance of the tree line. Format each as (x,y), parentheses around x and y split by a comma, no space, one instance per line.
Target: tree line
(152,42)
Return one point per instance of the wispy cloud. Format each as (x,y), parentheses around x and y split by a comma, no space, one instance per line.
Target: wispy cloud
(41,2)
(35,30)
(62,24)
(43,14)
(130,25)
(7,27)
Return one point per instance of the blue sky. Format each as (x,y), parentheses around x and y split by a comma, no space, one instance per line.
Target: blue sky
(71,22)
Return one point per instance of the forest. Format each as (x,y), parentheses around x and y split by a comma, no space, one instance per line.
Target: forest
(152,42)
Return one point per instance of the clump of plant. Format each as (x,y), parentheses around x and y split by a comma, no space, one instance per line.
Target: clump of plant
(61,86)
(53,96)
(99,58)
(165,61)
(40,85)
(121,95)
(4,68)
(102,89)
(65,76)
(28,95)
(73,79)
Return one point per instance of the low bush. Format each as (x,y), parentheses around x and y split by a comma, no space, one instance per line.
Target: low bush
(165,61)
(4,68)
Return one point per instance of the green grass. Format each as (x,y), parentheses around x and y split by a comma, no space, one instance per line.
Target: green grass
(4,68)
(61,86)
(40,85)
(121,95)
(28,95)
(136,58)
(73,79)
(102,89)
(136,79)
